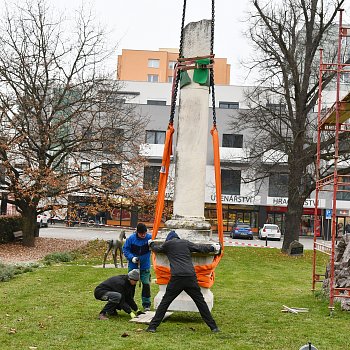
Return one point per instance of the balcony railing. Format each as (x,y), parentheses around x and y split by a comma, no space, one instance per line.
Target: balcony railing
(151,150)
(239,155)
(273,156)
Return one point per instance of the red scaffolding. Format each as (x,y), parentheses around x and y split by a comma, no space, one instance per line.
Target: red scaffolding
(333,120)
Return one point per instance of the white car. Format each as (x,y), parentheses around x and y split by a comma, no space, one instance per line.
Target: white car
(42,220)
(270,231)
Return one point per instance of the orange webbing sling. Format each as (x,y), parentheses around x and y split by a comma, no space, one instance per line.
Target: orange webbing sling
(163,177)
(205,273)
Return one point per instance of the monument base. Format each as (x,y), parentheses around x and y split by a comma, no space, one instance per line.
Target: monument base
(196,230)
(183,302)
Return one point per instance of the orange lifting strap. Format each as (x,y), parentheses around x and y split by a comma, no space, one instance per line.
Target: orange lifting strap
(205,273)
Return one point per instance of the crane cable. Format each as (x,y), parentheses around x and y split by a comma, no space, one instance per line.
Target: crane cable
(205,273)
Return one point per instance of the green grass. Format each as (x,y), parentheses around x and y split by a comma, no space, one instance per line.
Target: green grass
(53,308)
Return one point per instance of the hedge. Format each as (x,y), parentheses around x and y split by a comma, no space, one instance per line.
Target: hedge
(8,225)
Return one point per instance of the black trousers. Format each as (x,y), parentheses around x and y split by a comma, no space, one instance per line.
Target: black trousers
(176,285)
(114,299)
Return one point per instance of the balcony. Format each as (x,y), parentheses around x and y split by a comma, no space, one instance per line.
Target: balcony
(152,151)
(234,155)
(273,156)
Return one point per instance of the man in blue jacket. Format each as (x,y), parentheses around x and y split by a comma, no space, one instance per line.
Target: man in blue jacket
(138,254)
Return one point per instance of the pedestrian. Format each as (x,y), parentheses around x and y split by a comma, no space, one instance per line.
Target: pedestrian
(347,227)
(138,254)
(52,217)
(119,293)
(183,277)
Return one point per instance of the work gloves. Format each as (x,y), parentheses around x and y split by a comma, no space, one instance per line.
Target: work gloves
(135,259)
(216,248)
(136,313)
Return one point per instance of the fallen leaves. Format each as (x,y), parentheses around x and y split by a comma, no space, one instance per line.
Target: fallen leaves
(15,253)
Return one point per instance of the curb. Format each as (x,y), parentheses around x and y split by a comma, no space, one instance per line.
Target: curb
(235,243)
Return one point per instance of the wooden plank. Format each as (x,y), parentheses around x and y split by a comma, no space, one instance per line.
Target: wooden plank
(147,317)
(294,310)
(288,309)
(344,112)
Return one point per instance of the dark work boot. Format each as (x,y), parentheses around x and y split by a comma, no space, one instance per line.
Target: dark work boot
(102,316)
(150,329)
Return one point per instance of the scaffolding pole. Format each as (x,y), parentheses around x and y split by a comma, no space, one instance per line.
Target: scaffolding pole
(333,121)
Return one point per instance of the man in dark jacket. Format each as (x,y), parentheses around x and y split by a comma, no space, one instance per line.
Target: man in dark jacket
(119,293)
(183,277)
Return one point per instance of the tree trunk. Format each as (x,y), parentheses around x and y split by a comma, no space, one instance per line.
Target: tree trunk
(30,228)
(295,197)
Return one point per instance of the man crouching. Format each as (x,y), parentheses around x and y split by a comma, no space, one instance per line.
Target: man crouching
(119,293)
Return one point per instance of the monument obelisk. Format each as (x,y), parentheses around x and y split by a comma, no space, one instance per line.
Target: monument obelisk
(190,163)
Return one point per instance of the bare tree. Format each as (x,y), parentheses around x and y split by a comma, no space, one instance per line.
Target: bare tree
(64,125)
(287,36)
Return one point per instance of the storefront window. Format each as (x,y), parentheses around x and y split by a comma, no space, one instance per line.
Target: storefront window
(231,215)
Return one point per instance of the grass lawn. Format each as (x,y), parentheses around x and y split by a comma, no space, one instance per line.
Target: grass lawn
(54,308)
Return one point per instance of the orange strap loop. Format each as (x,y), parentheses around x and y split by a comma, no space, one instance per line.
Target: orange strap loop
(163,178)
(205,273)
(216,149)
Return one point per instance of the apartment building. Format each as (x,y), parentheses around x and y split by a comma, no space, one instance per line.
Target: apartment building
(254,203)
(158,66)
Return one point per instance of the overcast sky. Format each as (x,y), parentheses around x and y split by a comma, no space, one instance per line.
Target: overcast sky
(154,24)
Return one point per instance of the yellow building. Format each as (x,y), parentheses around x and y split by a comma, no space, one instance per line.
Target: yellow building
(158,66)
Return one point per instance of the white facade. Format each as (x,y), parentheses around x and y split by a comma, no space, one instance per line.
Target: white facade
(153,100)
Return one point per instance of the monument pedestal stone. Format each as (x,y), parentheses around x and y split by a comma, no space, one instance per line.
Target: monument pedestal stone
(196,231)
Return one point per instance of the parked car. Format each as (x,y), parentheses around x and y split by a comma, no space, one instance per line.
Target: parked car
(241,230)
(42,220)
(270,231)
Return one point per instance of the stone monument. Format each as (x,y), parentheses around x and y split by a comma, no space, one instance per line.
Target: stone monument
(190,165)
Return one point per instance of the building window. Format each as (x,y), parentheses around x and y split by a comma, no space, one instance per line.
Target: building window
(152,78)
(84,172)
(171,64)
(152,63)
(112,140)
(170,79)
(155,137)
(343,196)
(151,178)
(111,176)
(229,105)
(232,140)
(156,102)
(276,107)
(278,185)
(231,181)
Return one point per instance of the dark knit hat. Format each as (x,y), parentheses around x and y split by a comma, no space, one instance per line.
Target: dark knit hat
(141,228)
(172,235)
(134,274)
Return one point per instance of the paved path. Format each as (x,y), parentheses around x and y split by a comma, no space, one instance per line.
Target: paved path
(106,233)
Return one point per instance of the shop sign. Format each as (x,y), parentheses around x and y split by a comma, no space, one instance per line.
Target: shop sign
(342,212)
(169,196)
(283,201)
(236,199)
